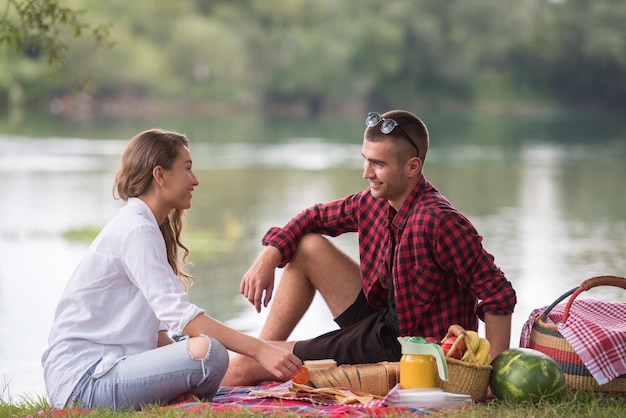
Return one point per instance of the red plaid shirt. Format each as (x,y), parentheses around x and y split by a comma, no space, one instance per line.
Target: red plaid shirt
(442,275)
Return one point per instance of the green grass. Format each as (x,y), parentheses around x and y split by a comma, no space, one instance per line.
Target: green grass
(574,404)
(205,241)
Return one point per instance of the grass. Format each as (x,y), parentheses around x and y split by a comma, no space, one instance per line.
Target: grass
(574,404)
(201,242)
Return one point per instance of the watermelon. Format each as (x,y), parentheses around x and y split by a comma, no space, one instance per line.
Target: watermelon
(525,374)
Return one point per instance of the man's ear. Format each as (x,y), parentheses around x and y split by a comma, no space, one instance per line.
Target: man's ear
(414,166)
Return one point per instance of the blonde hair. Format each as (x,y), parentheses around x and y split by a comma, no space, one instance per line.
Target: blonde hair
(146,150)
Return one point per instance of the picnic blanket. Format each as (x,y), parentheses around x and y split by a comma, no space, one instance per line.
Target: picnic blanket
(266,399)
(596,331)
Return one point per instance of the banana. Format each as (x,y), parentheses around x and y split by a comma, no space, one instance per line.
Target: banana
(473,340)
(482,354)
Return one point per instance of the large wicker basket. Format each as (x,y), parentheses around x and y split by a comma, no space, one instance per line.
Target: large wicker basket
(546,338)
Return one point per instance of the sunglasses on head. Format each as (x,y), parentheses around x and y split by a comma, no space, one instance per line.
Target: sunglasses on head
(388,125)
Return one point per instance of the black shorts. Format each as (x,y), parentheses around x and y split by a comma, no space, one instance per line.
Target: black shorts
(363,337)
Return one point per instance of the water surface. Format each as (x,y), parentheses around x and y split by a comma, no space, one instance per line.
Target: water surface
(545,191)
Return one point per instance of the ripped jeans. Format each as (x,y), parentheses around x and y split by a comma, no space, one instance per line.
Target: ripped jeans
(154,376)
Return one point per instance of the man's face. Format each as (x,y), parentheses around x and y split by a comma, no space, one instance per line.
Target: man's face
(383,169)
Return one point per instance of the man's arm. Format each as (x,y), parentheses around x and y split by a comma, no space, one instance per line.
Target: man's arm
(257,284)
(498,332)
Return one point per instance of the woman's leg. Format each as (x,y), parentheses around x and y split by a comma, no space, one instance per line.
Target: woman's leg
(194,365)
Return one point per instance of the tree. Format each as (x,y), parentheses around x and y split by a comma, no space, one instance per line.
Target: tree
(39,27)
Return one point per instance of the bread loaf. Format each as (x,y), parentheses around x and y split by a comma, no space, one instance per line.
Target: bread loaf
(374,378)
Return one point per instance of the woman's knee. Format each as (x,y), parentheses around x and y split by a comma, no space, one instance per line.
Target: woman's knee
(198,347)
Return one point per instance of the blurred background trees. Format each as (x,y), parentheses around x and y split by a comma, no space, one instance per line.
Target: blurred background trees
(312,56)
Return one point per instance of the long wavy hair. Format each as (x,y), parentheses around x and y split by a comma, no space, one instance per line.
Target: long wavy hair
(145,151)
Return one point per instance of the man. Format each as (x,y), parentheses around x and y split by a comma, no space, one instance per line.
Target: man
(422,264)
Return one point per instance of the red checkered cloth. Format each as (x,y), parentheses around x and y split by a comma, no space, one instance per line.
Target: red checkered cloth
(596,331)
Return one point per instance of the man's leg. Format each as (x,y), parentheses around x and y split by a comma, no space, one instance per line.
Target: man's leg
(317,265)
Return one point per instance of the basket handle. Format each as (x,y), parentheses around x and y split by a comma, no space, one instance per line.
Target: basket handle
(461,335)
(584,286)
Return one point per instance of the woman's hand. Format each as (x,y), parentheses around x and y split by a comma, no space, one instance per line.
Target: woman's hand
(278,361)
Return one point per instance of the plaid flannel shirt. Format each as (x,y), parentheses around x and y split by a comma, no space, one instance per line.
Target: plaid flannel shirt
(441,273)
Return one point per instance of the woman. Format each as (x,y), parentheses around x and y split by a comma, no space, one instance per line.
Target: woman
(109,345)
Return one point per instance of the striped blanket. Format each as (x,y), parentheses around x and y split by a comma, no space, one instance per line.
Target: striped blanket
(233,399)
(242,399)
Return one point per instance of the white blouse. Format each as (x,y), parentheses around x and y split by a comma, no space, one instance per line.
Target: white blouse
(118,298)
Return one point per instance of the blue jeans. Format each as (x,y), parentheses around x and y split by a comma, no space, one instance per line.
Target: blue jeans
(155,376)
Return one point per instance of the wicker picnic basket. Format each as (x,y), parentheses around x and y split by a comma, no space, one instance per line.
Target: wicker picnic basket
(379,378)
(546,338)
(470,378)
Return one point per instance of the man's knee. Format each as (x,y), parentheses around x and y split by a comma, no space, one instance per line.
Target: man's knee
(311,242)
(309,248)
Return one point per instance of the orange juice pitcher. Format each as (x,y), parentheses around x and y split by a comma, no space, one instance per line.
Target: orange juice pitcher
(420,360)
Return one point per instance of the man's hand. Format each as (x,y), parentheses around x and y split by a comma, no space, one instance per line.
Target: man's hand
(257,284)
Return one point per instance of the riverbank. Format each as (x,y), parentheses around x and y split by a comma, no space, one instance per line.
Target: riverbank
(85,106)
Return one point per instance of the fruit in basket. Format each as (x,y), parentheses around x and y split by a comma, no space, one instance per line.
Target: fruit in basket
(473,339)
(446,346)
(483,352)
(524,374)
(473,342)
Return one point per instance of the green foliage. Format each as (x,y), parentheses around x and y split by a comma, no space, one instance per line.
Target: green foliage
(315,52)
(201,243)
(576,50)
(39,28)
(86,234)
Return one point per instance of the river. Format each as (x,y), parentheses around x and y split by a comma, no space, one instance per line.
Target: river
(544,189)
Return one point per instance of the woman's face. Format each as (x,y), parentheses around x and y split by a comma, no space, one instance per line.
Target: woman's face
(179,181)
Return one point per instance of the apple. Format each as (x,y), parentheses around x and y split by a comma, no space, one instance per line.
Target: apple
(446,345)
(432,340)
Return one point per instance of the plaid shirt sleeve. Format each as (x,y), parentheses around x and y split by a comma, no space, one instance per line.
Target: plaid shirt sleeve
(332,219)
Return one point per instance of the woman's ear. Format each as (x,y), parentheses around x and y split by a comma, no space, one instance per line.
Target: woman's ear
(157,175)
